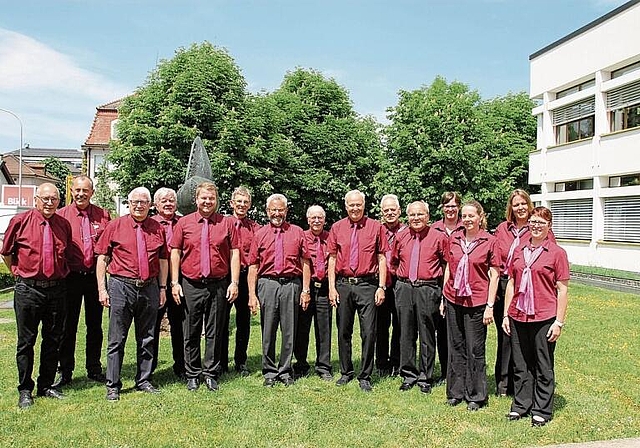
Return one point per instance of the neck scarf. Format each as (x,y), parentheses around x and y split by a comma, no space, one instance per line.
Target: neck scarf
(461,280)
(525,299)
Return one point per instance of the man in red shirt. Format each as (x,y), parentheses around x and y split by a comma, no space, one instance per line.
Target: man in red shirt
(246,228)
(357,283)
(88,221)
(418,258)
(36,249)
(204,249)
(278,258)
(134,249)
(165,201)
(319,308)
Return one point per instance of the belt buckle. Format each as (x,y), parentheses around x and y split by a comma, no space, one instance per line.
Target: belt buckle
(317,284)
(352,280)
(139,283)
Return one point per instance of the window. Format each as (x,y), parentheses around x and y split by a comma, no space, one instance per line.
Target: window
(574,89)
(573,185)
(624,70)
(114,129)
(572,219)
(628,180)
(623,104)
(622,219)
(575,121)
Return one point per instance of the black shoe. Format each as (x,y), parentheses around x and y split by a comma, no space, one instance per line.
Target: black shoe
(63,379)
(454,401)
(382,372)
(113,394)
(513,416)
(269,382)
(325,376)
(211,384)
(98,377)
(344,379)
(193,384)
(395,371)
(51,392)
(242,370)
(439,382)
(287,381)
(473,406)
(366,386)
(537,421)
(300,374)
(405,387)
(182,376)
(25,400)
(425,388)
(147,388)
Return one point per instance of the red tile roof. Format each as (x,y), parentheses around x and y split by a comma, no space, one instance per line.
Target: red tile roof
(100,133)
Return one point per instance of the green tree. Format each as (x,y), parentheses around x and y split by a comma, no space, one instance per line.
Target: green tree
(53,166)
(104,195)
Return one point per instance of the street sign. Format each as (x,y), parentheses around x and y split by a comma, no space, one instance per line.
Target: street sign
(10,195)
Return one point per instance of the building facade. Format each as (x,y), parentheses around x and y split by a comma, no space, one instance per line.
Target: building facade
(587,161)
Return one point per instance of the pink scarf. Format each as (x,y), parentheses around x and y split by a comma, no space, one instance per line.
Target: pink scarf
(461,280)
(516,242)
(525,300)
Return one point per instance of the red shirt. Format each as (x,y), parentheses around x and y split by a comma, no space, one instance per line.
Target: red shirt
(440,227)
(222,238)
(246,229)
(434,246)
(391,237)
(118,241)
(372,242)
(484,255)
(23,240)
(98,219)
(551,267)
(263,250)
(312,245)
(168,225)
(505,236)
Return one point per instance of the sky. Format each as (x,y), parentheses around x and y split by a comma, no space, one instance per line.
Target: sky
(61,59)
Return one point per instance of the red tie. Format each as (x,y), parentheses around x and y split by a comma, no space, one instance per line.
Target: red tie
(169,231)
(279,257)
(143,257)
(354,249)
(47,249)
(87,241)
(415,256)
(205,253)
(320,266)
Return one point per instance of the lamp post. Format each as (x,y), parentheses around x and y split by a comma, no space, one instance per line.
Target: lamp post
(19,155)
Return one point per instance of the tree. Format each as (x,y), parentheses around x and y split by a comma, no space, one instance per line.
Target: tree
(53,166)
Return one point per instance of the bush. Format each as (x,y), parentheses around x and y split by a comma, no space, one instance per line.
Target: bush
(6,277)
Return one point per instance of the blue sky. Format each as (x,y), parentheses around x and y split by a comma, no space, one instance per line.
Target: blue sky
(60,59)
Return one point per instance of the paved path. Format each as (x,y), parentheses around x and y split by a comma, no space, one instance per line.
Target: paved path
(618,443)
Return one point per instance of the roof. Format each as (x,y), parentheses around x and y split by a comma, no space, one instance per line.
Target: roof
(12,163)
(43,153)
(100,133)
(585,28)
(113,105)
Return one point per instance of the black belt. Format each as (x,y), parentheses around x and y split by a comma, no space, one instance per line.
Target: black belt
(358,280)
(40,283)
(135,281)
(319,284)
(430,282)
(84,272)
(281,280)
(206,280)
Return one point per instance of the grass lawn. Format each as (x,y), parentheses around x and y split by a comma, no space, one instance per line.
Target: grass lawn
(597,397)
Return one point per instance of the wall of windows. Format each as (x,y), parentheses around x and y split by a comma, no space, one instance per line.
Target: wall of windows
(623,104)
(572,219)
(575,121)
(622,219)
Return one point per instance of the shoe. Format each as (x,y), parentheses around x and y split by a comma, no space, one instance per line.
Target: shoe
(182,376)
(147,388)
(98,377)
(473,406)
(242,370)
(382,372)
(344,379)
(537,421)
(439,382)
(287,381)
(25,399)
(51,392)
(405,387)
(62,380)
(300,374)
(113,394)
(325,376)
(269,382)
(425,388)
(454,401)
(395,371)
(366,386)
(513,416)
(193,384)
(211,384)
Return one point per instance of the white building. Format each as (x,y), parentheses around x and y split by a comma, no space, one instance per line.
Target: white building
(587,161)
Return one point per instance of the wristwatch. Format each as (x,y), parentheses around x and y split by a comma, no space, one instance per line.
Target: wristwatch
(384,288)
(175,283)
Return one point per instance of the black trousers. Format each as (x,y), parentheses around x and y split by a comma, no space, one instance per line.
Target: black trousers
(279,303)
(359,298)
(175,315)
(418,310)
(388,354)
(533,368)
(243,326)
(321,313)
(466,377)
(504,362)
(204,303)
(140,306)
(33,306)
(79,286)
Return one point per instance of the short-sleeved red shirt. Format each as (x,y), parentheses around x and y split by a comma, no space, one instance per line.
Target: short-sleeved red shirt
(168,225)
(23,240)
(391,235)
(222,237)
(118,241)
(551,267)
(440,227)
(98,220)
(246,229)
(263,252)
(312,245)
(484,255)
(434,246)
(372,242)
(505,235)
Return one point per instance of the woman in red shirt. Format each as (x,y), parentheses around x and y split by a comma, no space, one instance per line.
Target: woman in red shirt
(536,305)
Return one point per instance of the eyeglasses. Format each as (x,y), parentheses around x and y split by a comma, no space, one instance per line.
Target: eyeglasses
(536,223)
(49,199)
(449,206)
(416,215)
(277,210)
(138,203)
(316,218)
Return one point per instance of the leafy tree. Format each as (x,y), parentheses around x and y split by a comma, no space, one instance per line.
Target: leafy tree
(53,166)
(104,195)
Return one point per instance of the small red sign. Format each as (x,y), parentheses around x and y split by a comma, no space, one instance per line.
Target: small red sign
(16,196)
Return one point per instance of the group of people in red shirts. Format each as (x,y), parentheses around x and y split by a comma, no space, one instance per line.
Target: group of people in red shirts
(435,286)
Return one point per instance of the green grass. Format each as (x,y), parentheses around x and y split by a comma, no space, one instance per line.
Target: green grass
(616,273)
(597,397)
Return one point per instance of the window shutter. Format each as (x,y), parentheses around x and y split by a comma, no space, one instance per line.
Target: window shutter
(624,96)
(572,219)
(622,219)
(574,111)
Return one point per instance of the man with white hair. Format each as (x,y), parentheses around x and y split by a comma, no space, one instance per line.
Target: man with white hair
(134,249)
(279,258)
